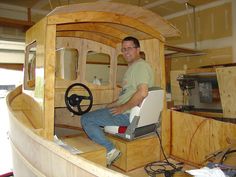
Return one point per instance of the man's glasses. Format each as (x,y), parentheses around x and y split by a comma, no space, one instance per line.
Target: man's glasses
(128,49)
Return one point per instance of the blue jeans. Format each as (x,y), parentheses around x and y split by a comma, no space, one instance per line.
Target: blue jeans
(94,120)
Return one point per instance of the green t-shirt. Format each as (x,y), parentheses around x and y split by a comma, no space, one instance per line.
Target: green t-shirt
(138,73)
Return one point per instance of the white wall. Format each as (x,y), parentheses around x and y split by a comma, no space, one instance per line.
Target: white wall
(13,77)
(102,71)
(11,52)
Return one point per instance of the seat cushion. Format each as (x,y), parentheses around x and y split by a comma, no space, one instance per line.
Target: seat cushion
(115,129)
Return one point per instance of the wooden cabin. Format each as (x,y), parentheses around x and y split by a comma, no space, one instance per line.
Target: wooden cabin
(73,44)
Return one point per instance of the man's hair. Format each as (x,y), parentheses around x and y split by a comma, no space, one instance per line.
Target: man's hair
(135,41)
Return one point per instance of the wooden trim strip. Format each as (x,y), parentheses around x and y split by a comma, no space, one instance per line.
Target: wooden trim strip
(93,27)
(15,23)
(12,66)
(181,49)
(89,36)
(68,126)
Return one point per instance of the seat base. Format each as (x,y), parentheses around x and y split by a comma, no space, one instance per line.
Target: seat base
(136,153)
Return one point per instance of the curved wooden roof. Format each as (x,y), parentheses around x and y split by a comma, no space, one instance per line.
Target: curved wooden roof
(111,21)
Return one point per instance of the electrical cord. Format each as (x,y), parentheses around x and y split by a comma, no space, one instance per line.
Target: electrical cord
(160,167)
(225,155)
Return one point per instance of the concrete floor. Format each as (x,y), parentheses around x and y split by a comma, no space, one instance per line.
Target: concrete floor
(5,149)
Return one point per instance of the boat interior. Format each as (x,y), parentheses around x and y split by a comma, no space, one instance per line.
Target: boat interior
(75,44)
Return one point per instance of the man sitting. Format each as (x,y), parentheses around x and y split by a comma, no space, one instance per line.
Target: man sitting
(137,79)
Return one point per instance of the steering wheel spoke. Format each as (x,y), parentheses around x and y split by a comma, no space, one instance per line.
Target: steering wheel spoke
(86,97)
(79,109)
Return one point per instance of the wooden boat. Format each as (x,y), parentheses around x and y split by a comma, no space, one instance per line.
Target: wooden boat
(72,45)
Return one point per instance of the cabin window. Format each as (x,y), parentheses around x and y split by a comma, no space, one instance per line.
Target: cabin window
(30,66)
(121,69)
(67,63)
(97,68)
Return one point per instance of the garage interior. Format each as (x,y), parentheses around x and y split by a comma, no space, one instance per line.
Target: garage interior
(207,42)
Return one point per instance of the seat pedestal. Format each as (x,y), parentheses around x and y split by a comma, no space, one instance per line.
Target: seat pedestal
(136,153)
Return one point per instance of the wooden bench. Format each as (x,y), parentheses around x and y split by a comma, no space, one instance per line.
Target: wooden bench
(136,153)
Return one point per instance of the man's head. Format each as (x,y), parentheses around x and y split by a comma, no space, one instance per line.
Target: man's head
(130,49)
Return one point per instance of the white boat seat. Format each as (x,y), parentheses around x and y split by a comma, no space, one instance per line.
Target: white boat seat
(144,119)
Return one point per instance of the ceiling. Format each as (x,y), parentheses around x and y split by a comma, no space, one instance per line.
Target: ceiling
(162,7)
(23,13)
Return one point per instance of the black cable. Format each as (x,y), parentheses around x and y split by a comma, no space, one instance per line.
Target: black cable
(225,155)
(160,167)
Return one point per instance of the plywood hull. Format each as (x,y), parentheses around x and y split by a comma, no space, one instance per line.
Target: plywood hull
(189,138)
(33,155)
(194,137)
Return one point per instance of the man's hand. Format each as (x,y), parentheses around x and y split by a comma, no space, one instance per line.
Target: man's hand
(111,105)
(135,100)
(118,110)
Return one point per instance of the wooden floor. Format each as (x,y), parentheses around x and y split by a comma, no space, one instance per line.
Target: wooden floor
(140,172)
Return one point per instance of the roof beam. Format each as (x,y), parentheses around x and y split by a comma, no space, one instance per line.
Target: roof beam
(15,23)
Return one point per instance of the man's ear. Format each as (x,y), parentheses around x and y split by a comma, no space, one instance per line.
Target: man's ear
(138,50)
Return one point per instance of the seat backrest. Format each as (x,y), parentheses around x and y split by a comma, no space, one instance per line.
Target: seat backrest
(144,119)
(150,109)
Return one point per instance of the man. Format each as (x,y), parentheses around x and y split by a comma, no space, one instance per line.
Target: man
(137,79)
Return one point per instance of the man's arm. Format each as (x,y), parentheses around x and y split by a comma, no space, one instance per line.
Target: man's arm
(112,104)
(135,100)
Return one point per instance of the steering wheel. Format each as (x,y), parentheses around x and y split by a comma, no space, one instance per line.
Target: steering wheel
(73,101)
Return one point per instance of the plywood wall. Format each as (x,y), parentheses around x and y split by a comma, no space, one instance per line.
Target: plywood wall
(195,137)
(211,23)
(213,37)
(227,83)
(154,51)
(38,33)
(211,57)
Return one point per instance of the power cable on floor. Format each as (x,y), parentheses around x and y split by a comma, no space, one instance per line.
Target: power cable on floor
(162,167)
